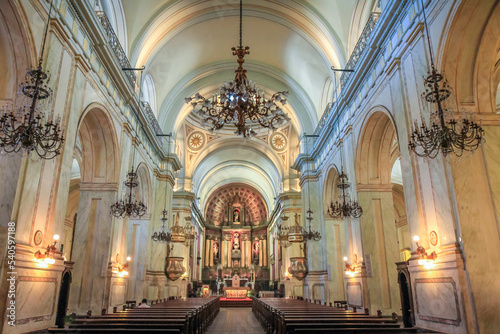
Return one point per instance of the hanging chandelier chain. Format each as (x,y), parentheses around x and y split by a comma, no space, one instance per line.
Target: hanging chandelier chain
(241,24)
(239,102)
(428,35)
(45,36)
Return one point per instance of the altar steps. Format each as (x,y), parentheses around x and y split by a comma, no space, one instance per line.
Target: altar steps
(235,302)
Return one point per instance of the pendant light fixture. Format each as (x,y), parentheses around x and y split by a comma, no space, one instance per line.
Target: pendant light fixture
(164,235)
(129,206)
(29,126)
(347,207)
(239,102)
(453,135)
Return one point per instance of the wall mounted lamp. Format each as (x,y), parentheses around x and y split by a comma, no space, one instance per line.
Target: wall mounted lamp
(426,260)
(121,270)
(48,257)
(350,269)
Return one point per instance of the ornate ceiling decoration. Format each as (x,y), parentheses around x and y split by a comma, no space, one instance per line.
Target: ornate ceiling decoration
(196,140)
(217,204)
(278,141)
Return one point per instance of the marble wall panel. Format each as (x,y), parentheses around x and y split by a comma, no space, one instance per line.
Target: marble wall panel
(118,290)
(38,296)
(437,300)
(354,294)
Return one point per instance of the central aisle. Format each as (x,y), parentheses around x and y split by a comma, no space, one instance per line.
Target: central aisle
(235,320)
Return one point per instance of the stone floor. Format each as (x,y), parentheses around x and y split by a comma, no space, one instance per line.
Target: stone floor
(235,320)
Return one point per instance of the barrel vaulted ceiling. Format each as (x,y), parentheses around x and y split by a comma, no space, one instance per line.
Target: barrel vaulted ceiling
(186,48)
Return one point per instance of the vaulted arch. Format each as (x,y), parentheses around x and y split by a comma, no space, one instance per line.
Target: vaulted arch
(100,154)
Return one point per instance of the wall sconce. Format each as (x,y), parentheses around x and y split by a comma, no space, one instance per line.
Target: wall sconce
(119,269)
(287,275)
(48,257)
(426,260)
(350,269)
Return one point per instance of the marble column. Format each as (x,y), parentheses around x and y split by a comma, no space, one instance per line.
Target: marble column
(316,280)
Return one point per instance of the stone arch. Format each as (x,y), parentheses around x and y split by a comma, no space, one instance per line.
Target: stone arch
(382,201)
(374,157)
(469,53)
(330,188)
(99,146)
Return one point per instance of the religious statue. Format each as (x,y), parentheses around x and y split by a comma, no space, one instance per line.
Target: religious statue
(256,247)
(236,216)
(236,241)
(215,249)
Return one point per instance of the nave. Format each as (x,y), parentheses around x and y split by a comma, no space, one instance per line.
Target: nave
(338,152)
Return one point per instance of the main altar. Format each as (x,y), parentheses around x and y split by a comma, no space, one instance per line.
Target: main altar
(236,293)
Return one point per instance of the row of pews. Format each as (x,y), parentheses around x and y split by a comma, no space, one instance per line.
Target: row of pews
(187,316)
(287,316)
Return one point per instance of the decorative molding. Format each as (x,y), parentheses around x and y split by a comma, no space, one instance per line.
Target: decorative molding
(374,187)
(90,186)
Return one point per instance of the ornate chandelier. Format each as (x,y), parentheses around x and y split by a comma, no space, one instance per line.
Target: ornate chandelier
(190,233)
(445,136)
(311,234)
(239,102)
(128,205)
(282,236)
(25,127)
(347,208)
(162,235)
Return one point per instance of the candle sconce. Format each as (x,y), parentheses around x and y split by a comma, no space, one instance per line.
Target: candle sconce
(426,260)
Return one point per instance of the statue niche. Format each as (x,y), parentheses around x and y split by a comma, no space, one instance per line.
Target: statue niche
(236,249)
(236,211)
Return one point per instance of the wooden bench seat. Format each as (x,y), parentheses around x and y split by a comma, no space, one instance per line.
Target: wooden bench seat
(172,316)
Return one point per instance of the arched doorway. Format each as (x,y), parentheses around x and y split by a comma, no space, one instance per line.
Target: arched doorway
(62,303)
(384,226)
(406,297)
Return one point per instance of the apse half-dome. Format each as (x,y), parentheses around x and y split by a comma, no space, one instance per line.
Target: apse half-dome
(236,204)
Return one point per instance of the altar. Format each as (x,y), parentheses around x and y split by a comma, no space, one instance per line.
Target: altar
(236,292)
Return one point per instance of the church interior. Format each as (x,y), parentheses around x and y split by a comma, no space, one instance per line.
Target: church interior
(255,166)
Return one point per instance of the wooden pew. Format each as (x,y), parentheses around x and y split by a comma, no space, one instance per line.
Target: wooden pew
(173,316)
(287,316)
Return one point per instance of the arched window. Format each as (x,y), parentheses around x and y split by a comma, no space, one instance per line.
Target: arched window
(149,93)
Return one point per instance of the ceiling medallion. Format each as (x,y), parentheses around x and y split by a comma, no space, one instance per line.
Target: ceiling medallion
(278,141)
(239,102)
(196,140)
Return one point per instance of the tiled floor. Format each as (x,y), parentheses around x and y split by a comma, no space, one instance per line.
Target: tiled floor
(235,320)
